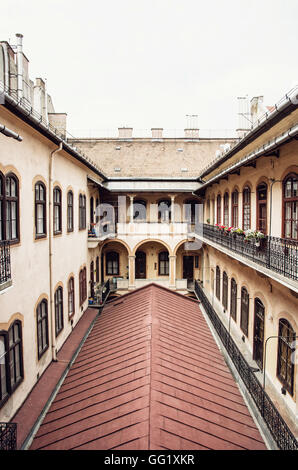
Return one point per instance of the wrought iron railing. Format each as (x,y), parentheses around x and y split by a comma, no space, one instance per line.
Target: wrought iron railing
(280,431)
(8,436)
(277,254)
(5,270)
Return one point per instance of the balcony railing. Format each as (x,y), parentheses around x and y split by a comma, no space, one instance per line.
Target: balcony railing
(5,270)
(8,436)
(277,254)
(280,431)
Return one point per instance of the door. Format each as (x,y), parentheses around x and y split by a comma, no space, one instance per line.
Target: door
(140,272)
(259,333)
(188,268)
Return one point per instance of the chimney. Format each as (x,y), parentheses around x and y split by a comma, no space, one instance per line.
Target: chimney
(257,108)
(191,133)
(125,132)
(156,132)
(244,117)
(20,65)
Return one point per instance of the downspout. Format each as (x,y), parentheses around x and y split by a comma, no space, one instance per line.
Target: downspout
(51,225)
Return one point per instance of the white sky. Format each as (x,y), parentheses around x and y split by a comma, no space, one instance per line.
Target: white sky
(141,63)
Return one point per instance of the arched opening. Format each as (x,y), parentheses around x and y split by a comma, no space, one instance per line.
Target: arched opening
(152,262)
(258,348)
(262,208)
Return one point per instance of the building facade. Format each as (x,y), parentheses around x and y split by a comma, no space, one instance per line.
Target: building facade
(81,217)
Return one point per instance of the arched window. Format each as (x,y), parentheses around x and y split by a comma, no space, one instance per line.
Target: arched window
(57,210)
(82,212)
(42,327)
(11,360)
(244,314)
(226,209)
(235,208)
(11,208)
(71,298)
(262,208)
(112,263)
(40,210)
(217,283)
(70,211)
(225,290)
(285,362)
(246,208)
(164,210)
(139,210)
(83,285)
(233,305)
(163,263)
(58,299)
(218,209)
(290,206)
(258,347)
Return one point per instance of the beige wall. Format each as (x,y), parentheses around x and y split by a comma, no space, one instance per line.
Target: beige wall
(266,168)
(29,160)
(279,303)
(142,157)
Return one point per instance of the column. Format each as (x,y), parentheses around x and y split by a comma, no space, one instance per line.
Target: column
(172,271)
(131,196)
(131,272)
(173,207)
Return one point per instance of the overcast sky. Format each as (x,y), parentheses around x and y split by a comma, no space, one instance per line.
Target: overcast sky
(146,64)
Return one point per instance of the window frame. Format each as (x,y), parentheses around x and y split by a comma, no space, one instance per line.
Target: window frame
(289,200)
(82,212)
(70,212)
(289,363)
(218,209)
(83,285)
(43,204)
(112,254)
(71,296)
(235,208)
(226,211)
(246,208)
(7,201)
(59,314)
(58,205)
(244,311)
(44,320)
(217,282)
(233,299)
(225,290)
(166,263)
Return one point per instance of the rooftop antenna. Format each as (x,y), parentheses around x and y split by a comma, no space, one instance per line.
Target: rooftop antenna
(243,112)
(192,121)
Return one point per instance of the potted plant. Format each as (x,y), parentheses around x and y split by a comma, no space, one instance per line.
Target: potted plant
(254,235)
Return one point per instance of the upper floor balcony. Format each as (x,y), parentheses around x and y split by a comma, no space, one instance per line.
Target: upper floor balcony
(279,255)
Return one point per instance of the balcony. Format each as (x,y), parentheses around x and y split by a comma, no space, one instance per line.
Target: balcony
(145,229)
(5,269)
(277,254)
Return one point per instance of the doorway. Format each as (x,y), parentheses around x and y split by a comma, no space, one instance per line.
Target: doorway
(188,265)
(140,265)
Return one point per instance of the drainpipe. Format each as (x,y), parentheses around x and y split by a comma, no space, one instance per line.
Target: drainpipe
(52,310)
(20,66)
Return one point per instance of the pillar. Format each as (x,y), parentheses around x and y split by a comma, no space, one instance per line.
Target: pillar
(131,272)
(172,272)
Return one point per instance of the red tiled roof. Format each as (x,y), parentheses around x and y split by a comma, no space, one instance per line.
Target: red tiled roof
(149,376)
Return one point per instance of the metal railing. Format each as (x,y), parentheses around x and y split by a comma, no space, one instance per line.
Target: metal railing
(279,430)
(8,436)
(5,269)
(277,254)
